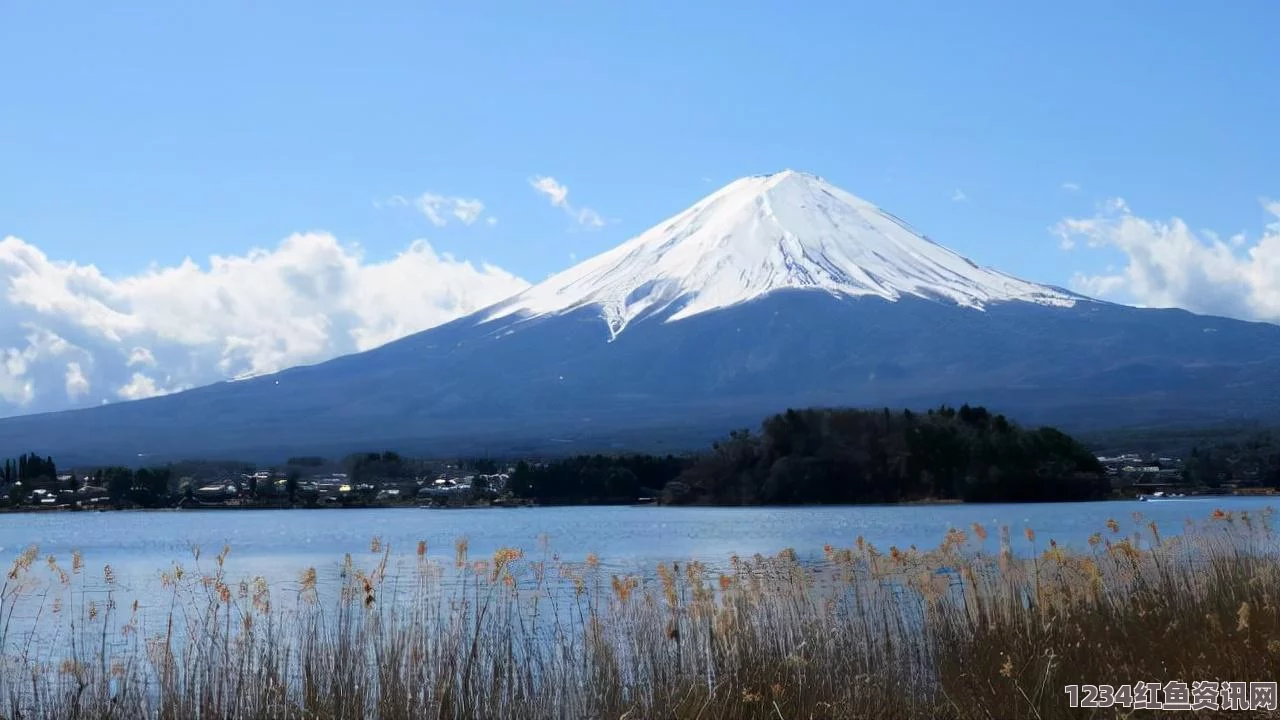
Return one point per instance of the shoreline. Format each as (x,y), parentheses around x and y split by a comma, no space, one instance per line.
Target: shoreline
(924,502)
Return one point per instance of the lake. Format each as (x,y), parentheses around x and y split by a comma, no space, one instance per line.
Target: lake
(279,544)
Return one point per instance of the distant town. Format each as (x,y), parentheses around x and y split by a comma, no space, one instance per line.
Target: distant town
(1134,473)
(799,457)
(338,488)
(361,481)
(456,484)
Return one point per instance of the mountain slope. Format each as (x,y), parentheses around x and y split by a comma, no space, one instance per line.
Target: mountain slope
(765,295)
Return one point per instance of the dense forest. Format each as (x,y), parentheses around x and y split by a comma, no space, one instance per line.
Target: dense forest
(842,456)
(1251,459)
(855,456)
(597,479)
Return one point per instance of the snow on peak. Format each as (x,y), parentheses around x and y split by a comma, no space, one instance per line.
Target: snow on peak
(765,233)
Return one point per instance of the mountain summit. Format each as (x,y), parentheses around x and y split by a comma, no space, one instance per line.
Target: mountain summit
(760,234)
(775,291)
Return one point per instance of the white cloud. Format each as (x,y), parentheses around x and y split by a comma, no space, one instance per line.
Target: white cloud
(558,195)
(141,356)
(958,196)
(141,387)
(77,385)
(439,209)
(1167,264)
(15,387)
(1070,187)
(589,218)
(555,192)
(468,211)
(308,299)
(20,365)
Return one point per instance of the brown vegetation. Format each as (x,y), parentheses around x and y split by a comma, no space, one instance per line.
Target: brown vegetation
(968,630)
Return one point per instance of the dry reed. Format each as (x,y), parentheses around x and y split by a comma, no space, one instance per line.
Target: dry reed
(962,631)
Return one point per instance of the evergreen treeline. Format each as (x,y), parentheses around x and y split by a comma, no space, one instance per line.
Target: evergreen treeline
(599,479)
(362,467)
(1250,460)
(858,456)
(390,465)
(841,456)
(148,487)
(28,469)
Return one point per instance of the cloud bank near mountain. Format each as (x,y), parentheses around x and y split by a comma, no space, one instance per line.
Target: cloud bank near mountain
(71,336)
(1166,263)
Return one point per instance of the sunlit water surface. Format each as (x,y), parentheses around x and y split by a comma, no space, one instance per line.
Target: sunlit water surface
(279,545)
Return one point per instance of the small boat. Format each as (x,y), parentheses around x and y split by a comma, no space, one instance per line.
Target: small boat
(1161,495)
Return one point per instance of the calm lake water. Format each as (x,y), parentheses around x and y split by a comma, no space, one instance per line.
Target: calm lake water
(279,544)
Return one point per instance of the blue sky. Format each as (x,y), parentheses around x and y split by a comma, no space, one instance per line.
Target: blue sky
(174,130)
(135,138)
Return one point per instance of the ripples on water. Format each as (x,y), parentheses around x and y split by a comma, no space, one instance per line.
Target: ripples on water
(280,545)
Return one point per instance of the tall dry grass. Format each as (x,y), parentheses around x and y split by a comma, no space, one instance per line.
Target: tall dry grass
(970,629)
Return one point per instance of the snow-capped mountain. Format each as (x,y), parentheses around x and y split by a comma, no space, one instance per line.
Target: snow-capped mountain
(761,234)
(776,291)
